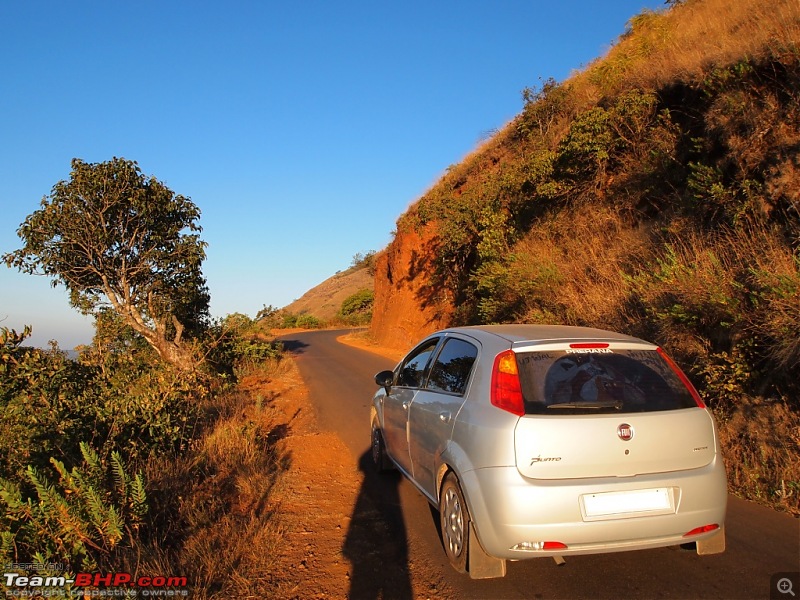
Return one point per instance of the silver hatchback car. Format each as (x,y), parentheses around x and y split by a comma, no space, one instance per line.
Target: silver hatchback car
(545,440)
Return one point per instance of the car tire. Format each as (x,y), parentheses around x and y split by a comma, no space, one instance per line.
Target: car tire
(378,448)
(454,518)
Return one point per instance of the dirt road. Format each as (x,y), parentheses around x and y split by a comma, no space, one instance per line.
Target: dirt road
(345,531)
(365,536)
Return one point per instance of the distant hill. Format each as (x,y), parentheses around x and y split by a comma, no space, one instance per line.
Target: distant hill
(325,300)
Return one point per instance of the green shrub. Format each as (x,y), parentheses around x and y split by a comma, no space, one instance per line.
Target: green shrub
(308,322)
(236,345)
(40,393)
(585,151)
(365,261)
(116,398)
(726,379)
(289,321)
(356,309)
(359,302)
(545,107)
(79,521)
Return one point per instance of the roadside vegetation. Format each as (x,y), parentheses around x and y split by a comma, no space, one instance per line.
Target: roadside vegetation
(147,453)
(119,462)
(656,193)
(157,450)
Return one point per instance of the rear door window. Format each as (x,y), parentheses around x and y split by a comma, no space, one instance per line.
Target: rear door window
(621,381)
(450,373)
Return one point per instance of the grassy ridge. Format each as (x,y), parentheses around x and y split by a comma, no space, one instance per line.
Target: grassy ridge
(656,193)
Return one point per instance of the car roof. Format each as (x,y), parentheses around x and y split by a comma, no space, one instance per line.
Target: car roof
(522,333)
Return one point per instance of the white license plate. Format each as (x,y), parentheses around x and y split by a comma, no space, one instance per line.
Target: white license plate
(628,504)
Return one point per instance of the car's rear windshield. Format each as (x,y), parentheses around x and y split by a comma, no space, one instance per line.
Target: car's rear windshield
(607,380)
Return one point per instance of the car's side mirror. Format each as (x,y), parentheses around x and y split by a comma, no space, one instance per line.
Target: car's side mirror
(385,379)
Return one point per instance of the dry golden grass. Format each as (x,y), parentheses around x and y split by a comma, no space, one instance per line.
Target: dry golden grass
(684,43)
(746,280)
(684,234)
(691,287)
(607,274)
(227,530)
(764,467)
(776,271)
(589,253)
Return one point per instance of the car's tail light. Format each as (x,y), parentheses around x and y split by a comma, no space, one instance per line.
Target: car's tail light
(553,546)
(506,390)
(534,546)
(682,376)
(588,345)
(703,529)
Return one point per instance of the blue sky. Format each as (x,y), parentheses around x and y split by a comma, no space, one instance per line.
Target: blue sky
(302,130)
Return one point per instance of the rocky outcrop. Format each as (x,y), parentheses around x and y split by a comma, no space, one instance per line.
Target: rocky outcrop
(408,302)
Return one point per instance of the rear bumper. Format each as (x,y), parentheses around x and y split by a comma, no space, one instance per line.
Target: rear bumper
(508,509)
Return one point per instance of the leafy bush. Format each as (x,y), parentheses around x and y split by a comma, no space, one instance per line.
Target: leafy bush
(309,322)
(272,317)
(365,261)
(110,410)
(356,309)
(546,107)
(726,379)
(586,149)
(40,393)
(236,345)
(127,402)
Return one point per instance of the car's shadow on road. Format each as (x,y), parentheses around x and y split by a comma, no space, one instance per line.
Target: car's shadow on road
(376,544)
(292,346)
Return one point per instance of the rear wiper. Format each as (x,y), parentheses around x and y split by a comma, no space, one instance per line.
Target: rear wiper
(615,405)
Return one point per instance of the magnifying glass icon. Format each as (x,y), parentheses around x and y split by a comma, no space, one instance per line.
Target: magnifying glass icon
(785,586)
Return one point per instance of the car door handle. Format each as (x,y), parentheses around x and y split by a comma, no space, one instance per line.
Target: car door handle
(444,417)
(406,404)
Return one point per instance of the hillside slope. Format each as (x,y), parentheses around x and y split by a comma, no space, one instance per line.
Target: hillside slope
(324,300)
(656,193)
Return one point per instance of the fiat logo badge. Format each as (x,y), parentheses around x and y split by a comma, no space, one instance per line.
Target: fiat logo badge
(625,432)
